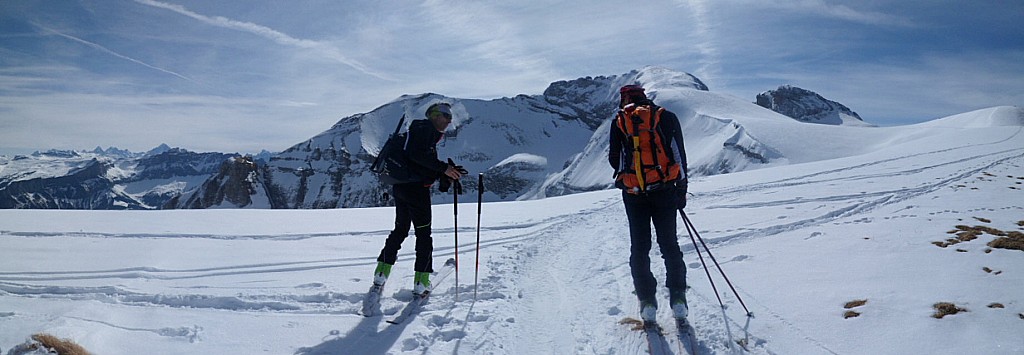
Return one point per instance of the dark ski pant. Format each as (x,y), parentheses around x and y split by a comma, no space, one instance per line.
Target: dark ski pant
(641,210)
(412,208)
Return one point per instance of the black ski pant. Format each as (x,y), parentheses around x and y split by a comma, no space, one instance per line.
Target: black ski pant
(641,210)
(412,208)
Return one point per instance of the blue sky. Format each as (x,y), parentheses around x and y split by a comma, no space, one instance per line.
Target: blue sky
(240,76)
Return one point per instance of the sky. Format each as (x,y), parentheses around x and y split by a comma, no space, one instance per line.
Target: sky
(244,76)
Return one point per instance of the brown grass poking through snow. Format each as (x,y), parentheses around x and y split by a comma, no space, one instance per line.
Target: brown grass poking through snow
(1012,240)
(996,305)
(635,324)
(855,304)
(62,346)
(850,313)
(943,309)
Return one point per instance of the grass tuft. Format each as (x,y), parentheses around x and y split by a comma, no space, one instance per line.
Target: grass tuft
(943,309)
(61,346)
(633,323)
(855,304)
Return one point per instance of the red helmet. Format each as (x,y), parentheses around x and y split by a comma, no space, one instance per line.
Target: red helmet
(631,93)
(631,90)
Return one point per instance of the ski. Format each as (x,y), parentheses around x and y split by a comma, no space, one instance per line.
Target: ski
(686,336)
(656,342)
(417,302)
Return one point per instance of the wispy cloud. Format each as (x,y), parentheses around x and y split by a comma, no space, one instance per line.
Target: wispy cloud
(321,48)
(824,9)
(706,43)
(489,35)
(111,52)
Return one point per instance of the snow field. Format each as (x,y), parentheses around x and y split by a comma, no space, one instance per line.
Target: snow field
(797,241)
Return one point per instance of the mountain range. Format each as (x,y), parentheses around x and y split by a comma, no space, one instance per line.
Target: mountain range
(527,147)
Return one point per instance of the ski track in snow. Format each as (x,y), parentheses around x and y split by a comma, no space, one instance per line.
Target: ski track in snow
(852,204)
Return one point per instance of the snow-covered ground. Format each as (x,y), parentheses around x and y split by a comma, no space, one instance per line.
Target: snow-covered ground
(798,242)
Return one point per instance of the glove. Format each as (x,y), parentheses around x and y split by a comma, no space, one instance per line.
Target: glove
(446,183)
(461,170)
(681,194)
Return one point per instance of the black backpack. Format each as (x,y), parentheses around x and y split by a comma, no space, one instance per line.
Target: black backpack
(391,165)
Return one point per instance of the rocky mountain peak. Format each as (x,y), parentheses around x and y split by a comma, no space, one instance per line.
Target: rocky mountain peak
(808,106)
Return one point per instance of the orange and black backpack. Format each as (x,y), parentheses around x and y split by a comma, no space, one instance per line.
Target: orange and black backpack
(651,163)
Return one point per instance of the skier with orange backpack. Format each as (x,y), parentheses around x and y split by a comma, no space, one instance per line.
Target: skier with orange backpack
(646,150)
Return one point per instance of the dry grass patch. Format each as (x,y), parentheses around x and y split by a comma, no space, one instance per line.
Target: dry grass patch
(983,220)
(990,271)
(633,323)
(996,305)
(850,313)
(855,304)
(1012,240)
(943,309)
(52,345)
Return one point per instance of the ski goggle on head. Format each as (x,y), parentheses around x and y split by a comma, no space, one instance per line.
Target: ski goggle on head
(442,108)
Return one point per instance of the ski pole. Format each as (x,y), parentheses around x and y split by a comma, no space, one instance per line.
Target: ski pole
(702,263)
(479,208)
(456,186)
(689,227)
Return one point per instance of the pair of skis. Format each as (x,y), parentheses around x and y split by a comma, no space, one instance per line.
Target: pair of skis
(371,303)
(657,344)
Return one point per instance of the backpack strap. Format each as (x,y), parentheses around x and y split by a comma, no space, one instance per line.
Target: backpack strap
(637,156)
(655,118)
(666,141)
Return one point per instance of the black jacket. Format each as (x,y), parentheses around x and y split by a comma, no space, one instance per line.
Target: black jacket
(619,155)
(420,151)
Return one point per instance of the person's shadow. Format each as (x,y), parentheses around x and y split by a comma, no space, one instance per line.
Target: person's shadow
(363,339)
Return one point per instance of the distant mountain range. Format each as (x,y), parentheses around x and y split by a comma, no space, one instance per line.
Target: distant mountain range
(527,147)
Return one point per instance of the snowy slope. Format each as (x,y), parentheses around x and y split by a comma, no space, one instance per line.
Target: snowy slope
(798,241)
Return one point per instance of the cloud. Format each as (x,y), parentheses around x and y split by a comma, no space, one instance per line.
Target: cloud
(707,47)
(490,35)
(822,8)
(113,53)
(138,123)
(321,48)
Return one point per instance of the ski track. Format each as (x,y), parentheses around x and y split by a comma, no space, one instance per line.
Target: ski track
(852,204)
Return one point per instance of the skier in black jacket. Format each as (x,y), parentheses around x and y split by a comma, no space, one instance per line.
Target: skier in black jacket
(412,200)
